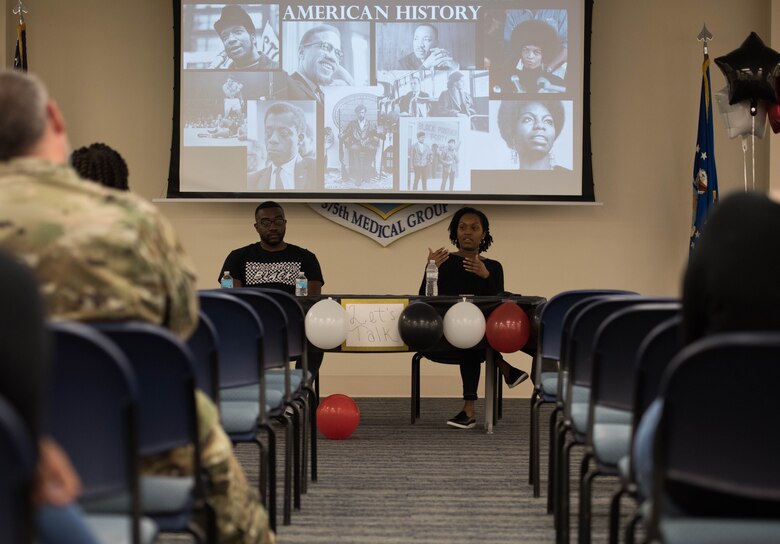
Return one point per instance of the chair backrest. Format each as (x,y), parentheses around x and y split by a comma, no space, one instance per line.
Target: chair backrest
(550,326)
(240,338)
(712,456)
(583,332)
(615,348)
(204,345)
(296,328)
(92,413)
(18,457)
(653,357)
(165,375)
(274,321)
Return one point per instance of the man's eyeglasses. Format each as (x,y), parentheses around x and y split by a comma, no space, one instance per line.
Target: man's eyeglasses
(279,221)
(328,48)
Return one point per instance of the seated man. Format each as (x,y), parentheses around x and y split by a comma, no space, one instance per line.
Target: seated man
(103,255)
(272,263)
(362,141)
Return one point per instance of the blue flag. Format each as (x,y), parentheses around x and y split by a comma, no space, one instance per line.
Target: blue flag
(705,177)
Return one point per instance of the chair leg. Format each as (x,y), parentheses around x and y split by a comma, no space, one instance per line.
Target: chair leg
(585,513)
(305,422)
(500,392)
(296,450)
(631,529)
(563,488)
(552,459)
(415,394)
(614,515)
(197,533)
(288,470)
(270,503)
(315,400)
(532,439)
(211,522)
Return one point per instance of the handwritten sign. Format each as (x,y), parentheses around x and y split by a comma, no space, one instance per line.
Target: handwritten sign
(372,324)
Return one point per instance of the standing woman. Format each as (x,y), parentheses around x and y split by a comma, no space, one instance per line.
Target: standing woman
(530,129)
(466,271)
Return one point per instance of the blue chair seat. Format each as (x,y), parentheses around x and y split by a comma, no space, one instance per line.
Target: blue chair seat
(159,495)
(248,393)
(720,531)
(611,442)
(579,416)
(115,528)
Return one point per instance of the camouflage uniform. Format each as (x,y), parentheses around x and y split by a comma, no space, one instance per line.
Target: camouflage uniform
(101,255)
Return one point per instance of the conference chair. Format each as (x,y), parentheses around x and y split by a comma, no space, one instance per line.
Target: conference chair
(92,413)
(298,348)
(576,365)
(204,346)
(18,459)
(544,370)
(715,477)
(613,378)
(654,355)
(241,348)
(168,419)
(275,357)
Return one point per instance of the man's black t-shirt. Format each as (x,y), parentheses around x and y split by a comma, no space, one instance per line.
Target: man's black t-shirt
(256,267)
(454,280)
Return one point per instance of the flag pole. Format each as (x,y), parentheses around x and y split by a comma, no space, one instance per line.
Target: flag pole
(20,54)
(20,10)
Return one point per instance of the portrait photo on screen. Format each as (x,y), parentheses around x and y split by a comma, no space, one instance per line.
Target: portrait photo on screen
(322,101)
(425,46)
(230,36)
(283,136)
(351,120)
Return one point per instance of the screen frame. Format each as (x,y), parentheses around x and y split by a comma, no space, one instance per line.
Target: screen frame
(587,195)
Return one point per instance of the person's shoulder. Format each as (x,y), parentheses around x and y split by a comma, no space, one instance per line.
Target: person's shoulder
(298,249)
(266,63)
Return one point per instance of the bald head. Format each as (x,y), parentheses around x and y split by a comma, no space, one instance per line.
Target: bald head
(30,124)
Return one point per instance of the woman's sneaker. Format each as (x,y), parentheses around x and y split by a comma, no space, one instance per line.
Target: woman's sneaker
(515,377)
(462,421)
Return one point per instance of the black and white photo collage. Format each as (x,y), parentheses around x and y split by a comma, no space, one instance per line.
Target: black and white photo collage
(375,98)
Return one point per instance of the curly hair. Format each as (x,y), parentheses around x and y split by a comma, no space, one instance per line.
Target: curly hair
(102,164)
(486,242)
(509,113)
(538,33)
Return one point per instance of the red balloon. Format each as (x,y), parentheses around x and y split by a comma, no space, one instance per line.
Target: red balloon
(337,417)
(508,328)
(774,117)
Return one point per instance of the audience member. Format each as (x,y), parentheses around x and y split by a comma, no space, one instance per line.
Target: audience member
(24,365)
(729,285)
(100,163)
(466,271)
(274,264)
(102,255)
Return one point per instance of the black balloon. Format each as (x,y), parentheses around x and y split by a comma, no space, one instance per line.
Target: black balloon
(421,327)
(751,71)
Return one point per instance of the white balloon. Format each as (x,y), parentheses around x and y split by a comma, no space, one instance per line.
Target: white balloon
(464,325)
(326,324)
(737,116)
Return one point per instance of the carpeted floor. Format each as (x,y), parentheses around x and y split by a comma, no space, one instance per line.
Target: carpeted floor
(392,482)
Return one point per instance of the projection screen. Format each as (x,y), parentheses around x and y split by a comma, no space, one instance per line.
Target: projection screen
(383,101)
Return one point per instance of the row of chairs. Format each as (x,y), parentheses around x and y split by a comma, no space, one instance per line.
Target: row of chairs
(601,360)
(120,391)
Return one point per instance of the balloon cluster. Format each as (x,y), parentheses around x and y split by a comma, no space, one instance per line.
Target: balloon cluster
(506,329)
(752,73)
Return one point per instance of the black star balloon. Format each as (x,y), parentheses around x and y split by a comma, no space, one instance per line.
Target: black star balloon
(751,71)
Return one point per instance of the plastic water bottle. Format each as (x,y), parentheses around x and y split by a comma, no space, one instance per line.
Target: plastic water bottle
(227,280)
(431,279)
(301,285)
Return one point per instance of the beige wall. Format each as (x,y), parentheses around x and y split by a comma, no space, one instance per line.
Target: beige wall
(109,64)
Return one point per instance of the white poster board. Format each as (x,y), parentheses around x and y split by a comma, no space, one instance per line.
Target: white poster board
(372,324)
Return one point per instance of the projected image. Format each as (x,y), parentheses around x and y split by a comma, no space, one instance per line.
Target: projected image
(431,155)
(425,46)
(230,37)
(388,101)
(526,50)
(323,55)
(351,119)
(284,134)
(214,107)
